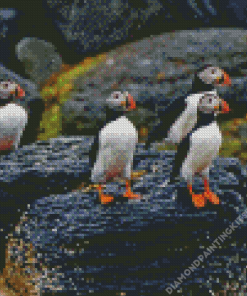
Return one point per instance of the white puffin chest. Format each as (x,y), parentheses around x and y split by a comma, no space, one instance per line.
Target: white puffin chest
(120,131)
(207,138)
(187,120)
(117,142)
(13,119)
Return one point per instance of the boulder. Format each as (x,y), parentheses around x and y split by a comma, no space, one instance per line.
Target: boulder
(159,69)
(98,26)
(132,247)
(40,57)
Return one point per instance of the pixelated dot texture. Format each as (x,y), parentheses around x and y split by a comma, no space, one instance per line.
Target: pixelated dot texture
(78,236)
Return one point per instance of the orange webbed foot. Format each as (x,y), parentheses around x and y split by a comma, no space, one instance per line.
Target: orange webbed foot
(199,200)
(129,193)
(105,199)
(212,197)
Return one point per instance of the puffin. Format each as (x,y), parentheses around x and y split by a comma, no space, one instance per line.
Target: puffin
(179,117)
(200,147)
(13,117)
(112,151)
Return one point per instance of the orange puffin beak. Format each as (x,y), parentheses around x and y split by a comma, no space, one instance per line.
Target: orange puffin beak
(19,92)
(227,80)
(131,103)
(225,107)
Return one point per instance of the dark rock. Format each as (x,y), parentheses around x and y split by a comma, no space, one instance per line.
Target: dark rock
(119,246)
(113,23)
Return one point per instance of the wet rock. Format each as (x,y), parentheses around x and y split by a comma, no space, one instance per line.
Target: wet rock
(115,248)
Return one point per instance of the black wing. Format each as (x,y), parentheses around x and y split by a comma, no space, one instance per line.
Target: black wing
(181,154)
(36,108)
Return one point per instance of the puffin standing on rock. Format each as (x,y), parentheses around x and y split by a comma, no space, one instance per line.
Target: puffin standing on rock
(13,117)
(112,152)
(200,147)
(179,117)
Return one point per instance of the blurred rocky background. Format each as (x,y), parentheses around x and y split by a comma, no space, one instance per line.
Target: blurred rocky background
(154,70)
(84,28)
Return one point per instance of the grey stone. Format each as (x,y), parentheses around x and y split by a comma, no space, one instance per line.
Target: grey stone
(40,57)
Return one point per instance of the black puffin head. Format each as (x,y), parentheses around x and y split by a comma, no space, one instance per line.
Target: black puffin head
(8,91)
(209,106)
(116,101)
(118,104)
(207,77)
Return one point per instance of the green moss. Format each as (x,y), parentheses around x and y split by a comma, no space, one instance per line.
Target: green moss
(51,124)
(166,147)
(79,125)
(244,155)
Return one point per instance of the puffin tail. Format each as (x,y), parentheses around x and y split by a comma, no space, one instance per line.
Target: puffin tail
(174,176)
(157,133)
